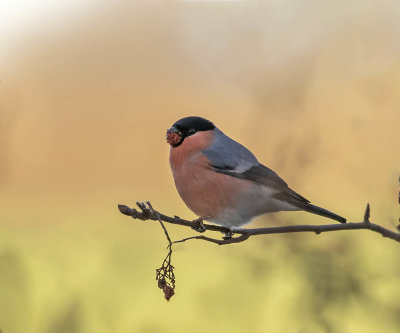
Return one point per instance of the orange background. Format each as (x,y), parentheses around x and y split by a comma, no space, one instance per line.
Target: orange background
(87,92)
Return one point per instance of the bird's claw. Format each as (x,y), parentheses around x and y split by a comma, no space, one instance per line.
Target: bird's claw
(198,225)
(228,234)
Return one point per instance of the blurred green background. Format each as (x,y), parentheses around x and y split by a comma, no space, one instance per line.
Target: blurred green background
(88,89)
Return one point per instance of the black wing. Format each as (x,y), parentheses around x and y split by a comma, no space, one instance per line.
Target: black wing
(262,175)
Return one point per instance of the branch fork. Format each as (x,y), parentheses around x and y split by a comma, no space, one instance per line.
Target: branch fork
(148,213)
(165,274)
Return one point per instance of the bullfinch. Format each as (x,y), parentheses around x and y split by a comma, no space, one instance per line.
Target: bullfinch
(222,181)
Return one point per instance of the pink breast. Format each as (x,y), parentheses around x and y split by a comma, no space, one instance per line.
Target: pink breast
(205,192)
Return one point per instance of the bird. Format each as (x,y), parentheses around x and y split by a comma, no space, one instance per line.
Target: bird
(222,181)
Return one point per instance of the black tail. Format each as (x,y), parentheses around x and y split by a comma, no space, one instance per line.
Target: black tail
(323,212)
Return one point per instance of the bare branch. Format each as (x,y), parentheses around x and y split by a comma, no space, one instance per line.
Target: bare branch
(224,241)
(165,274)
(148,213)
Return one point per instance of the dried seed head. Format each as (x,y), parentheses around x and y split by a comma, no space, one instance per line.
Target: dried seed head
(168,292)
(173,138)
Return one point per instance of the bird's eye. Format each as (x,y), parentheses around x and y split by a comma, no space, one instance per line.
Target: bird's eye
(191,131)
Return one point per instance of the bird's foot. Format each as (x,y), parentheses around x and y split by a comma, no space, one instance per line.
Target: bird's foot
(228,234)
(198,224)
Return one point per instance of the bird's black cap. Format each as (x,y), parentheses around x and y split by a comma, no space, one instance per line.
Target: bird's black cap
(186,127)
(193,123)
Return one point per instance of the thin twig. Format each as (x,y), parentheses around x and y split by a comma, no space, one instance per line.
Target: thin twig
(367,214)
(148,213)
(159,220)
(223,241)
(165,274)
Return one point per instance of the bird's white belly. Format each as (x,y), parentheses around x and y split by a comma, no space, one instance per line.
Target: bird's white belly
(254,201)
